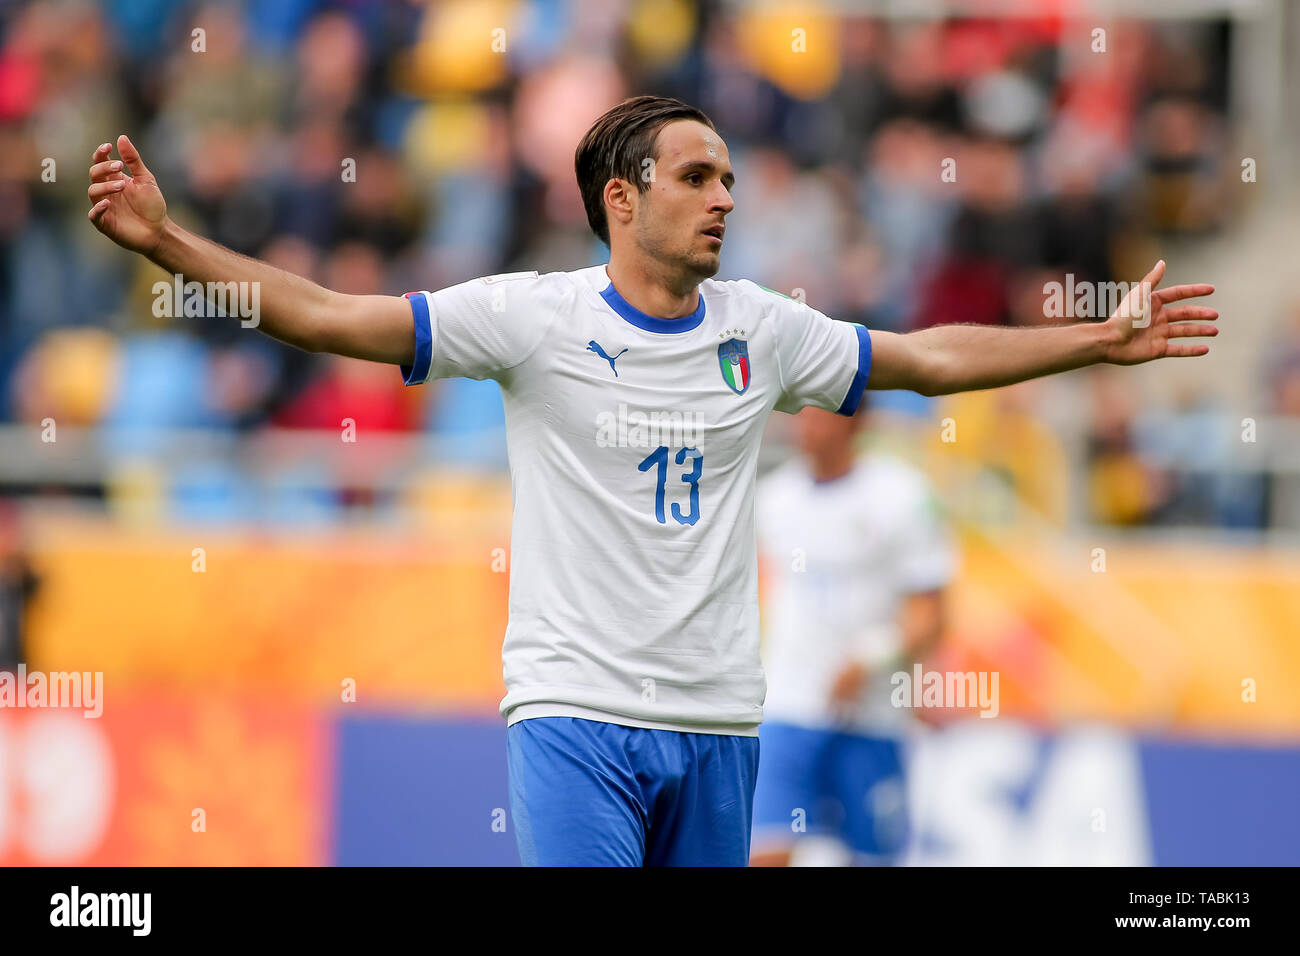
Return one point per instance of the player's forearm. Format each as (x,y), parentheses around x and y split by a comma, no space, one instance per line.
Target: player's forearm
(290,308)
(921,621)
(963,358)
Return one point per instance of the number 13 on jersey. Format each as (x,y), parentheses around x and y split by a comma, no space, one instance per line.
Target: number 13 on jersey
(659,457)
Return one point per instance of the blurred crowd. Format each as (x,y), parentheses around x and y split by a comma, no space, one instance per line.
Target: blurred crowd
(902,174)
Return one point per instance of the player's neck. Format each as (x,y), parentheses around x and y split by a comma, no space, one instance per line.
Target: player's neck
(645,289)
(830,467)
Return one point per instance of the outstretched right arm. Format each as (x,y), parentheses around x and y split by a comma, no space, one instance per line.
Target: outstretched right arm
(131,211)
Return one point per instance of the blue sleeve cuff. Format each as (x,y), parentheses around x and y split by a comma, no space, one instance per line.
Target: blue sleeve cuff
(418,371)
(859,383)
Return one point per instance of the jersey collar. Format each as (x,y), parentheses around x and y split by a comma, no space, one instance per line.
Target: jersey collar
(652,323)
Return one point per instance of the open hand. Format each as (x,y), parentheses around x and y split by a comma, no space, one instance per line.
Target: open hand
(130,210)
(1143,330)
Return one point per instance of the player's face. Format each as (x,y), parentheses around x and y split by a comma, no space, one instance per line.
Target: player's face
(825,434)
(679,221)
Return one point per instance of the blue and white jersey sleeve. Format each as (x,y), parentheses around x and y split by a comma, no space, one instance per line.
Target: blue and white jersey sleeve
(481,328)
(822,362)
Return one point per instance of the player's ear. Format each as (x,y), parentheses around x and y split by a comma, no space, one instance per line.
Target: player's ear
(620,200)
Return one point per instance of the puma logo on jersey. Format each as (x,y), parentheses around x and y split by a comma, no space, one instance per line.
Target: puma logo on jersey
(594,346)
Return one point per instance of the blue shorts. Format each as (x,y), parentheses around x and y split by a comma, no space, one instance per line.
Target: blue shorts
(845,785)
(589,793)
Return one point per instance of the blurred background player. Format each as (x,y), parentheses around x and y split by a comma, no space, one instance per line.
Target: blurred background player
(857,559)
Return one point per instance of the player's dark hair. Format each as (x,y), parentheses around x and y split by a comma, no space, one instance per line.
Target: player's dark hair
(618,143)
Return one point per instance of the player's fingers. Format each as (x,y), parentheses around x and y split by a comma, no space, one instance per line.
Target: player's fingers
(109,169)
(1179,331)
(132,156)
(1152,278)
(97,210)
(1181,313)
(1135,303)
(1176,292)
(98,191)
(1184,351)
(101,152)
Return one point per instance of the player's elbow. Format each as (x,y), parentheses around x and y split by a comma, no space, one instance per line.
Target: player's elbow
(326,328)
(309,340)
(930,374)
(307,337)
(927,387)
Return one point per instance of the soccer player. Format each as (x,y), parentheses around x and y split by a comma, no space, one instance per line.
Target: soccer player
(858,557)
(635,395)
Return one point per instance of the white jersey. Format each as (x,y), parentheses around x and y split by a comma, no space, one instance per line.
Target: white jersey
(633,445)
(839,557)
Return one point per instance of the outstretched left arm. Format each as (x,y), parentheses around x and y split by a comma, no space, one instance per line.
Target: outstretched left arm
(962,358)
